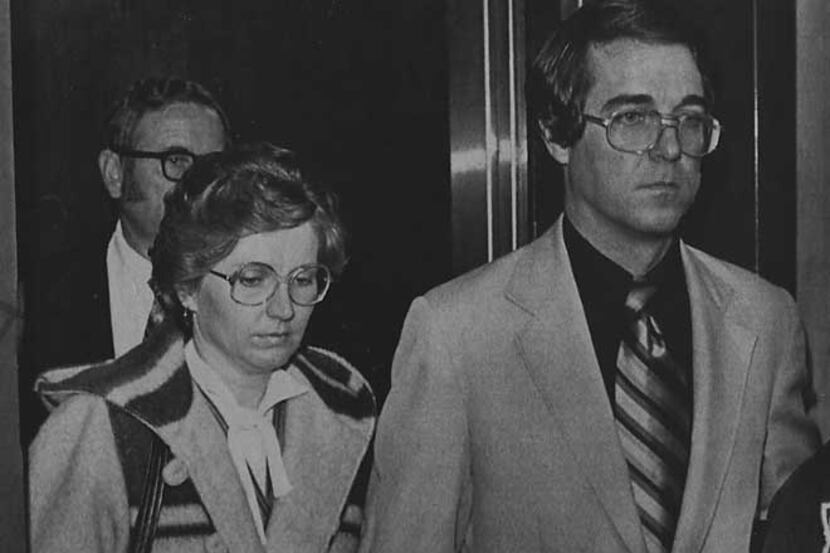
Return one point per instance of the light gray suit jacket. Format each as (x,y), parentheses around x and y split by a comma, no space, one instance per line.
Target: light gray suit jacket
(498,434)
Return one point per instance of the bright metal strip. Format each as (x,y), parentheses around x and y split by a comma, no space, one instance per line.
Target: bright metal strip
(489,133)
(756,156)
(514,134)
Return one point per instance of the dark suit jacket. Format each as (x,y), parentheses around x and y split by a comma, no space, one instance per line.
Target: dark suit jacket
(799,519)
(66,321)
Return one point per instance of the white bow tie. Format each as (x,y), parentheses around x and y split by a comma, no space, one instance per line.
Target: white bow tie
(253,443)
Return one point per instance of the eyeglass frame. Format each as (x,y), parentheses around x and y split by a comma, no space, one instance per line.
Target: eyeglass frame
(232,278)
(666,121)
(160,156)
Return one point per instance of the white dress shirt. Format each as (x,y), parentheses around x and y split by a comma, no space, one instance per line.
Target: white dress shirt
(131,298)
(252,438)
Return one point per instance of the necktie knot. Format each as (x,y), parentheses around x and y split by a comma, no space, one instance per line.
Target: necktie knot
(639,295)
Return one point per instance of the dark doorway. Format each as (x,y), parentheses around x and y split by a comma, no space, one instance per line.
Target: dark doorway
(358,87)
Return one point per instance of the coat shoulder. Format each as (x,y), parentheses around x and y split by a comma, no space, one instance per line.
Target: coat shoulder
(753,290)
(482,283)
(151,381)
(339,384)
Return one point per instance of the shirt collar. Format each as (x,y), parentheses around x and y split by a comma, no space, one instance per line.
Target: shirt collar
(136,267)
(597,276)
(281,386)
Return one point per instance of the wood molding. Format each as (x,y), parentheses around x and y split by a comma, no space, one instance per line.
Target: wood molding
(12,517)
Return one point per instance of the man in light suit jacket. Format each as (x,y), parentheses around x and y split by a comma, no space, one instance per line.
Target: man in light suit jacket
(606,388)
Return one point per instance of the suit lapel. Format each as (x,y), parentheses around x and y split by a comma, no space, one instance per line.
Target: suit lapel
(322,453)
(556,348)
(723,348)
(198,440)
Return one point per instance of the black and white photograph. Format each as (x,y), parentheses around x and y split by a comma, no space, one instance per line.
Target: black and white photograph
(404,276)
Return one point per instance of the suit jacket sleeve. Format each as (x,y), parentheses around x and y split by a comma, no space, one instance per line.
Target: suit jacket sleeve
(791,436)
(77,497)
(419,492)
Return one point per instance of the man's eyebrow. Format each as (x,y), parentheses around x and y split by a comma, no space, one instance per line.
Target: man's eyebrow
(617,102)
(693,100)
(626,100)
(177,150)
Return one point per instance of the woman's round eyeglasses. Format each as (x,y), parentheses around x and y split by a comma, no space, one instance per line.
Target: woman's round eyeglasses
(255,283)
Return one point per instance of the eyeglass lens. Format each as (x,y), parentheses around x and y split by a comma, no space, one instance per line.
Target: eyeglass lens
(638,131)
(174,164)
(255,283)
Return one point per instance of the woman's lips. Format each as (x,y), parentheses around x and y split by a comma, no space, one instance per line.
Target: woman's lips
(661,185)
(271,338)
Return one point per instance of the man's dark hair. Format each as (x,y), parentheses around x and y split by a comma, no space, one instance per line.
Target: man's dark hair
(561,77)
(153,94)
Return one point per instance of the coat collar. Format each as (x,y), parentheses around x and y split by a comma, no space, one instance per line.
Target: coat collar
(555,346)
(322,453)
(151,381)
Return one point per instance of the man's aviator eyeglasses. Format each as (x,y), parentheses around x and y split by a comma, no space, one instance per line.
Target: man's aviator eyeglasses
(638,131)
(174,162)
(255,283)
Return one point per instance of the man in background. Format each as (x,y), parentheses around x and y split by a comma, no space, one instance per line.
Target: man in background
(95,300)
(607,387)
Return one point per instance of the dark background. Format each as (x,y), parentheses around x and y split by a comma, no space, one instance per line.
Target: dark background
(358,88)
(361,88)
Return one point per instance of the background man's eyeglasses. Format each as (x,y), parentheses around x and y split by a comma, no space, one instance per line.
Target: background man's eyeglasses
(638,131)
(174,162)
(255,283)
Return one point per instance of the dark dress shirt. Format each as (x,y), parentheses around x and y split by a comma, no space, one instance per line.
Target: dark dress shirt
(67,321)
(603,287)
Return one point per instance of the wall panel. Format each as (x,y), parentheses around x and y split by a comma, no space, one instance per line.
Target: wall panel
(813,184)
(12,520)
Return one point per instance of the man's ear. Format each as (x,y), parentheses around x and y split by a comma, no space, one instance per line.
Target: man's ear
(558,152)
(112,172)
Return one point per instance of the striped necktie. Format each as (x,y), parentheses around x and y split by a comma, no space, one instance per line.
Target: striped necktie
(653,415)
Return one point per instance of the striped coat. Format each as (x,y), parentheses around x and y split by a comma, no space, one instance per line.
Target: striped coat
(87,463)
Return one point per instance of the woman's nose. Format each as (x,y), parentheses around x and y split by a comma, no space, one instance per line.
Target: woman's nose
(280,306)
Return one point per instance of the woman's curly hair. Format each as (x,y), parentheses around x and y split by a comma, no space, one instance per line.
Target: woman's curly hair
(228,195)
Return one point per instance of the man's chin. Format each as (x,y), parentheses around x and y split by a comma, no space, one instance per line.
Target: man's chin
(662,220)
